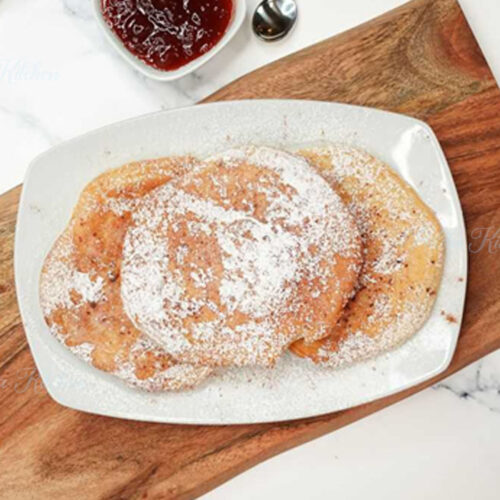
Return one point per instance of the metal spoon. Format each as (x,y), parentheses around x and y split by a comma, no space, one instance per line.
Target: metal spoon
(273,19)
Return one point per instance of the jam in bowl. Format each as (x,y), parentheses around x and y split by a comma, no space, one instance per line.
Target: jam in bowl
(167,39)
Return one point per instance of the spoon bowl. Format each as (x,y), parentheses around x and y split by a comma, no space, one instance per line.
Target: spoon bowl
(273,19)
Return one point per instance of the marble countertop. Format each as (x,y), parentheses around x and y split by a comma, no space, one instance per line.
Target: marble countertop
(60,78)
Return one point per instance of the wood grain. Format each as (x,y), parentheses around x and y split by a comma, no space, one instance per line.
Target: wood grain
(420,59)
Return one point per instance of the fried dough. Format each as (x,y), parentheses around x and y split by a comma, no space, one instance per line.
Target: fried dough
(404,257)
(80,281)
(228,266)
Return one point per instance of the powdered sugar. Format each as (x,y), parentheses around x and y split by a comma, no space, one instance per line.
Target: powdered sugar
(359,346)
(390,259)
(174,377)
(83,309)
(404,257)
(62,280)
(261,250)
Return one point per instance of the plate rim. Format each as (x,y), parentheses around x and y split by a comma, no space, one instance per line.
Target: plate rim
(133,414)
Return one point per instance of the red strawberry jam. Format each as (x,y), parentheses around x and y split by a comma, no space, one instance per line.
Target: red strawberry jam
(168,34)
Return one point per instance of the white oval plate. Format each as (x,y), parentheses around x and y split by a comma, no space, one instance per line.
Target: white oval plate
(296,388)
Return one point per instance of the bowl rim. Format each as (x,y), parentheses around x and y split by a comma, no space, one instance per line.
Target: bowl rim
(237,17)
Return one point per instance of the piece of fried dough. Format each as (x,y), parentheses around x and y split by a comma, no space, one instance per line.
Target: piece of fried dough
(80,281)
(404,256)
(228,266)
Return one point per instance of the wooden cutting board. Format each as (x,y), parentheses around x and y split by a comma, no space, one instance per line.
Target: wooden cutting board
(420,59)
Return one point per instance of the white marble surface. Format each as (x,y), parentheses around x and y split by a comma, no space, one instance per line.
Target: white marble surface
(59,78)
(440,444)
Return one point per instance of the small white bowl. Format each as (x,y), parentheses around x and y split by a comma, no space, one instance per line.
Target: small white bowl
(238,14)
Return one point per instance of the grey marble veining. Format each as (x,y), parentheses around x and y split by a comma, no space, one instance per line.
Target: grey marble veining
(479,383)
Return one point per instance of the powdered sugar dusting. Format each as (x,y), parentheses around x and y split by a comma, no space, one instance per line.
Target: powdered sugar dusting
(404,255)
(62,279)
(244,300)
(176,376)
(83,309)
(83,351)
